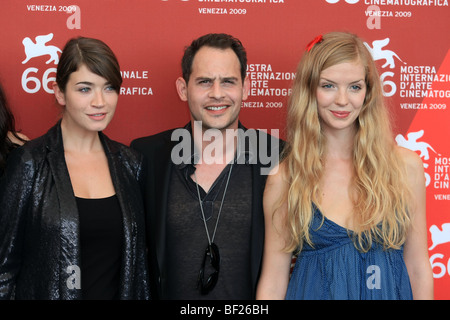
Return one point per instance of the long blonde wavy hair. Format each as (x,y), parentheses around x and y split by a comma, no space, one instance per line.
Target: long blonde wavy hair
(379,191)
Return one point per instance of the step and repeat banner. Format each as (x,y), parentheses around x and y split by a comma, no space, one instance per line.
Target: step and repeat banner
(408,39)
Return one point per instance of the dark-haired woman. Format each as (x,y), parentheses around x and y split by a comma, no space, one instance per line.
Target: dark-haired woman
(9,138)
(72,214)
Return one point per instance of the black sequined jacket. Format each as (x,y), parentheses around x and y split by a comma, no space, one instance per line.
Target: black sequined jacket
(39,227)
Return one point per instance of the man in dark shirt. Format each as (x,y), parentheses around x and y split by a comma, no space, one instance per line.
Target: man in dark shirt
(205,223)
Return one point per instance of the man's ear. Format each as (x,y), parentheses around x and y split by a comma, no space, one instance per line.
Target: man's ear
(245,88)
(181,86)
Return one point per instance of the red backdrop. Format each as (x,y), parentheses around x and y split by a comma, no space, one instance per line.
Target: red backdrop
(408,37)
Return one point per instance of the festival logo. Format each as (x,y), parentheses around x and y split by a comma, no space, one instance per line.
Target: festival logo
(414,145)
(38,49)
(31,79)
(439,236)
(378,53)
(411,143)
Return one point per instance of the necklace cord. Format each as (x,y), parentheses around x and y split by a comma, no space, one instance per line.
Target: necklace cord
(211,240)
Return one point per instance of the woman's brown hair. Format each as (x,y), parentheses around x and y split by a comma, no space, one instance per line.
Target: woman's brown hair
(95,55)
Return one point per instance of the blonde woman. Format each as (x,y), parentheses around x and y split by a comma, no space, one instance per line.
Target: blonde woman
(346,198)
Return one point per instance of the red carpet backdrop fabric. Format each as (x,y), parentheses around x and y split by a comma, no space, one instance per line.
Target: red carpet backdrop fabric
(408,39)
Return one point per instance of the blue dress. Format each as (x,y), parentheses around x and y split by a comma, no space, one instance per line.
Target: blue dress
(335,270)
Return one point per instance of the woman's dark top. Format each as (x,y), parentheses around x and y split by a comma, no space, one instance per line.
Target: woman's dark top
(39,222)
(101,240)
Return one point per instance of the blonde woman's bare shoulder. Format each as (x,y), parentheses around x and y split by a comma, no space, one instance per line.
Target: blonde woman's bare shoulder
(410,158)
(413,163)
(278,174)
(277,182)
(275,190)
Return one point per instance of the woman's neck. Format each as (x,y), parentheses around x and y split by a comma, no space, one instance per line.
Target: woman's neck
(81,141)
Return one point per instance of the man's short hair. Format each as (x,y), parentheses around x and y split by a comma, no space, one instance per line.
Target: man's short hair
(213,40)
